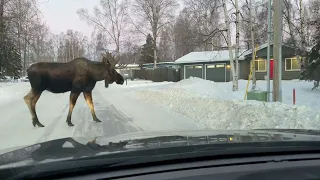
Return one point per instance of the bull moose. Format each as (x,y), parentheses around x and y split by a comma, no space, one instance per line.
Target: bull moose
(78,76)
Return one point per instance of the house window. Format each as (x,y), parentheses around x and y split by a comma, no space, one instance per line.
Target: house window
(220,65)
(260,65)
(193,67)
(292,64)
(211,66)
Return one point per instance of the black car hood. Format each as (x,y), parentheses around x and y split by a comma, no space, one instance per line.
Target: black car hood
(77,147)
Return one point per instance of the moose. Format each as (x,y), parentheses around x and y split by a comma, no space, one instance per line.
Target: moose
(78,76)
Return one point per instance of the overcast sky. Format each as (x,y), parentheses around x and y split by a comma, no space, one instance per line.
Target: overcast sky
(61,15)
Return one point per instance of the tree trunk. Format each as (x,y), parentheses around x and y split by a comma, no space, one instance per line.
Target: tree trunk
(237,40)
(155,55)
(1,31)
(234,75)
(254,80)
(302,35)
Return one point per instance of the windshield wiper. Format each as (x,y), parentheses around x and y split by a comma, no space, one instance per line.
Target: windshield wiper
(54,150)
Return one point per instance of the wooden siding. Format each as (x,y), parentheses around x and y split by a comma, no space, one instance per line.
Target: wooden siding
(287,52)
(286,75)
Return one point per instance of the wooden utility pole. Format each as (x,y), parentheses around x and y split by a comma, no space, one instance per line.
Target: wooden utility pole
(277,54)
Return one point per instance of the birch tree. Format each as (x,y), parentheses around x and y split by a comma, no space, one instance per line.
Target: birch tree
(234,73)
(237,38)
(254,80)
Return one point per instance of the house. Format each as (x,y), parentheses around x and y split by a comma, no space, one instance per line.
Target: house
(291,66)
(210,65)
(160,65)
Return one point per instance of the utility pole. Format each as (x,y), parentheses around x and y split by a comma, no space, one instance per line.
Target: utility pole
(268,51)
(277,51)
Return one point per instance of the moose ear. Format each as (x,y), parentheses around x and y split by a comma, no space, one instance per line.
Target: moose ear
(110,59)
(105,59)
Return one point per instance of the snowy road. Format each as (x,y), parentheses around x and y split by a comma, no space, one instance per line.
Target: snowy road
(189,104)
(52,110)
(118,112)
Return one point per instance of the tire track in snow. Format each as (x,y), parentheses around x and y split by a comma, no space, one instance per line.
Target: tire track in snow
(114,122)
(85,126)
(52,127)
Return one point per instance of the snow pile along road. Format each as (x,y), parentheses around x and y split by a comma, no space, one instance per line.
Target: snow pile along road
(203,88)
(211,110)
(12,90)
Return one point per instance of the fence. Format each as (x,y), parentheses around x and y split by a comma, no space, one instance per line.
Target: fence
(155,75)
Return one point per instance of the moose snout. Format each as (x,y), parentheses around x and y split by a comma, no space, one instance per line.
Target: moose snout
(120,80)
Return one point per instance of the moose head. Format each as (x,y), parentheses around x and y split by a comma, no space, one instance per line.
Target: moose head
(112,75)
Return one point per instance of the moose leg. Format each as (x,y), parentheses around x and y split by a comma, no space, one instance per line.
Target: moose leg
(73,99)
(88,98)
(31,100)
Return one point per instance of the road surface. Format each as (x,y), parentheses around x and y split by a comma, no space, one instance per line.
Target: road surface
(118,112)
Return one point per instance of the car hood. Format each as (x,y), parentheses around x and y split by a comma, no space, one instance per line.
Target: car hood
(286,135)
(77,147)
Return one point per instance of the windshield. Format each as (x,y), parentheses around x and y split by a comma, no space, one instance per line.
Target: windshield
(108,68)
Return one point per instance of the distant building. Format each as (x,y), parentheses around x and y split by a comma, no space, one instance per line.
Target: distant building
(161,65)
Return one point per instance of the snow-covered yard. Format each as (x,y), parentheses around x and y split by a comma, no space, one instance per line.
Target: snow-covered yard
(146,106)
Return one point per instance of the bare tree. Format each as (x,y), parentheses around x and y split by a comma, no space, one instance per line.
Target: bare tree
(205,17)
(237,37)
(166,50)
(131,52)
(257,13)
(157,14)
(184,35)
(109,18)
(72,44)
(29,31)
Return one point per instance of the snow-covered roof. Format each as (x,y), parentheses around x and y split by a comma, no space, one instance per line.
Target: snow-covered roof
(159,63)
(207,56)
(129,65)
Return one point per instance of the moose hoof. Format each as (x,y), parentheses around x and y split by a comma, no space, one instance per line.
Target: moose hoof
(37,123)
(70,124)
(97,120)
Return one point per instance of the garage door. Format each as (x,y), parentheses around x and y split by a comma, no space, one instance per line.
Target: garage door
(216,72)
(193,70)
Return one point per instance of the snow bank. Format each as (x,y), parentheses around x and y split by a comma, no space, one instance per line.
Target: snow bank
(204,102)
(203,88)
(12,90)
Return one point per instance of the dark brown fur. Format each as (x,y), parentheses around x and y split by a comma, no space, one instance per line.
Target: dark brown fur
(78,75)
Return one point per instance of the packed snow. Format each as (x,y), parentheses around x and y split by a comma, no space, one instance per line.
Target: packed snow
(211,105)
(148,106)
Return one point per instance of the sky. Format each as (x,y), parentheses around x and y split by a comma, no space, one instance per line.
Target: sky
(60,15)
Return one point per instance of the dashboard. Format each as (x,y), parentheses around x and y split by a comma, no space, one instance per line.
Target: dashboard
(284,167)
